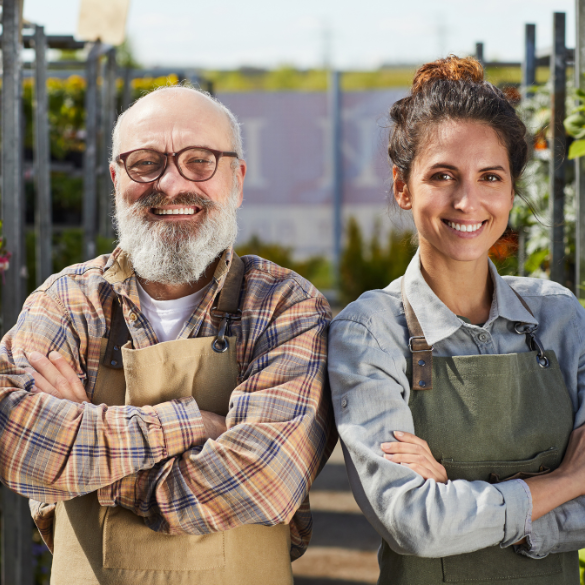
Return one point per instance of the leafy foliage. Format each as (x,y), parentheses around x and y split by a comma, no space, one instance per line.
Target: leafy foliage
(533,218)
(371,266)
(316,269)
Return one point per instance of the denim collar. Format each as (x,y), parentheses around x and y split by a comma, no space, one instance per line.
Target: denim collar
(438,322)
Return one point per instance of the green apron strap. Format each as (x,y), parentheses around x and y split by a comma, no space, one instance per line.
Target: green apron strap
(422,352)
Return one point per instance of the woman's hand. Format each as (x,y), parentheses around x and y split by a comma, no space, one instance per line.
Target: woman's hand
(413,452)
(573,464)
(55,376)
(565,483)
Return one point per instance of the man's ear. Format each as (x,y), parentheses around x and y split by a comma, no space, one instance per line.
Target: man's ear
(113,172)
(400,188)
(240,175)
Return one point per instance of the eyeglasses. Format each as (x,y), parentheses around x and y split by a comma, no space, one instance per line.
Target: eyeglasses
(194,163)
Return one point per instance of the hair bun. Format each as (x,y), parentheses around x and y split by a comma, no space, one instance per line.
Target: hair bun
(452,68)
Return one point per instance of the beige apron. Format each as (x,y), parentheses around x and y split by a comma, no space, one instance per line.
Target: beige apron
(111,545)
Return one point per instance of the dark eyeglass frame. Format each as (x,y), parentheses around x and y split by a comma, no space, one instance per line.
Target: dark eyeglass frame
(218,154)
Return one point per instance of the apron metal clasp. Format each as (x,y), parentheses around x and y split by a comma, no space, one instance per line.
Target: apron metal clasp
(220,344)
(533,342)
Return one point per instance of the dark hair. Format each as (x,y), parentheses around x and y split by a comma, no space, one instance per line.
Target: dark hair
(454,89)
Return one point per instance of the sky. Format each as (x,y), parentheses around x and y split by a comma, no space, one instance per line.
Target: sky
(349,34)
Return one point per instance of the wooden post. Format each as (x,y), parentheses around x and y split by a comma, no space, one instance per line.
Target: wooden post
(16,520)
(580,162)
(90,157)
(336,170)
(558,72)
(43,207)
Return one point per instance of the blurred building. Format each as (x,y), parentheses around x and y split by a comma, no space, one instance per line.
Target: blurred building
(288,187)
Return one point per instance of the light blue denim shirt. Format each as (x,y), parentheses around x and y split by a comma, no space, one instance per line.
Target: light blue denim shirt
(368,354)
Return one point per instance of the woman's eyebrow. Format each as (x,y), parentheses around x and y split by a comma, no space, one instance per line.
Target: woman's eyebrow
(441,165)
(494,168)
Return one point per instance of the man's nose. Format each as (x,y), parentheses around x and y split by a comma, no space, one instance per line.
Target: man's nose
(171,182)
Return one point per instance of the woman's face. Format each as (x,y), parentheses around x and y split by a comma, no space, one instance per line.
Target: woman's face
(460,191)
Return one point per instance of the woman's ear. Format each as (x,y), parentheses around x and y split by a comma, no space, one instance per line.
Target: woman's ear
(400,188)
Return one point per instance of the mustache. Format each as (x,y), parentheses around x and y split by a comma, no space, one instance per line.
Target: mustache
(160,199)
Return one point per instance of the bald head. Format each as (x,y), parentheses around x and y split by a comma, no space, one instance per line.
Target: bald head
(178,111)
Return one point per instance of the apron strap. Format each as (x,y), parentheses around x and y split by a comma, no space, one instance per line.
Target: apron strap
(228,299)
(119,335)
(422,352)
(228,302)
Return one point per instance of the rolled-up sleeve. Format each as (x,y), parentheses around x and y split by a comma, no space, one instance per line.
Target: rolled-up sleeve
(563,529)
(416,517)
(54,449)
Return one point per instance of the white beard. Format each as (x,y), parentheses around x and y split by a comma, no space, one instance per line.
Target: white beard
(175,253)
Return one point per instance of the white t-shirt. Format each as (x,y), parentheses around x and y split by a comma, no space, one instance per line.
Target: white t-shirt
(168,317)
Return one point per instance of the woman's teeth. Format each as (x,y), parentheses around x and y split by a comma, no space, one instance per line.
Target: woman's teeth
(185,211)
(464,228)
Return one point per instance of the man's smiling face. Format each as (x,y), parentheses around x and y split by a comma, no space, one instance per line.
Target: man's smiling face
(170,121)
(173,228)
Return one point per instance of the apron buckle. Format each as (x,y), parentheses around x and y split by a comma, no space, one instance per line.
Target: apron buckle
(533,342)
(424,344)
(220,344)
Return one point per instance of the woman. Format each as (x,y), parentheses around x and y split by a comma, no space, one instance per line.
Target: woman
(455,390)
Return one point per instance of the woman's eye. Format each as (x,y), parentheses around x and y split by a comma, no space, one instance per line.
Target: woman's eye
(441,177)
(491,178)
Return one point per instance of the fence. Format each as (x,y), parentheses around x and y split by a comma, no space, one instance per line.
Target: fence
(101,110)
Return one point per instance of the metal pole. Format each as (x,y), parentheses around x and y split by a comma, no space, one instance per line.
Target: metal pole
(528,81)
(90,158)
(43,207)
(107,119)
(127,91)
(558,71)
(12,197)
(479,52)
(529,63)
(16,521)
(580,162)
(336,170)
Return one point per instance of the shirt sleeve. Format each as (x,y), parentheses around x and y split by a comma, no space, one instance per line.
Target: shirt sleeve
(279,433)
(54,449)
(563,529)
(415,517)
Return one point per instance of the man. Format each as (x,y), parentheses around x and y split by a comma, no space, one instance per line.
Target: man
(203,476)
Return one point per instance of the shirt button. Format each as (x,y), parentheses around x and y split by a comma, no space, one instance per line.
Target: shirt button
(133,317)
(483,337)
(344,403)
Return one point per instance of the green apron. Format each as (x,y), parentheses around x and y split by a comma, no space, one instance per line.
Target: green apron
(488,418)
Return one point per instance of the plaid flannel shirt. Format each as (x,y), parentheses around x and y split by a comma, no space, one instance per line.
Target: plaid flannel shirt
(156,461)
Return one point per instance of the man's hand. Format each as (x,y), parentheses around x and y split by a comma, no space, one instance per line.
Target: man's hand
(214,424)
(55,376)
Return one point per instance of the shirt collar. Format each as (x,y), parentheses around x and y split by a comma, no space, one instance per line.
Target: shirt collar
(119,272)
(438,322)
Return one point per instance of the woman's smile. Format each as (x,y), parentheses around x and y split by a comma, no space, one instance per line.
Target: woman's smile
(460,192)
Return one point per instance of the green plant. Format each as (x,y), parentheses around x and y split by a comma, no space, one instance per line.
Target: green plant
(366,267)
(316,269)
(532,220)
